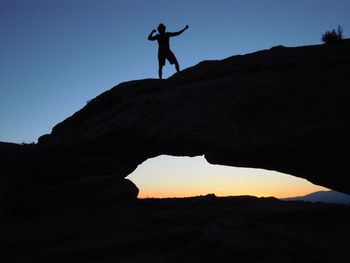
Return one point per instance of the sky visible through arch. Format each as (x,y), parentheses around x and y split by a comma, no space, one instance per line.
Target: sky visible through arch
(169,176)
(57,55)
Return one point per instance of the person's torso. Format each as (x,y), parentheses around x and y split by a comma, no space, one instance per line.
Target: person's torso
(163,42)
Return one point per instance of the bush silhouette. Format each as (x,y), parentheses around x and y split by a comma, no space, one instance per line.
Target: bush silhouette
(331,37)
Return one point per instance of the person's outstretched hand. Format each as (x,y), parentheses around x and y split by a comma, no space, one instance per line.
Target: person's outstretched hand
(186,26)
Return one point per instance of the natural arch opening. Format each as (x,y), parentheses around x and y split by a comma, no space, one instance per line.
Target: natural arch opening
(169,176)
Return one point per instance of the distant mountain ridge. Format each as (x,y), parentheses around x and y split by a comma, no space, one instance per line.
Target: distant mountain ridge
(331,196)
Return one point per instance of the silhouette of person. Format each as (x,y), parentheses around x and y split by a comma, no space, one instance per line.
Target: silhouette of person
(164,51)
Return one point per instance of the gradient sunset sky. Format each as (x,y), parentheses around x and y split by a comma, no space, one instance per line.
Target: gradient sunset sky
(55,55)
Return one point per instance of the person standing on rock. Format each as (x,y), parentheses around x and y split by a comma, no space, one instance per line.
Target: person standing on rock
(164,51)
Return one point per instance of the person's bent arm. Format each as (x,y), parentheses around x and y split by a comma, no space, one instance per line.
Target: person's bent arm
(173,34)
(151,37)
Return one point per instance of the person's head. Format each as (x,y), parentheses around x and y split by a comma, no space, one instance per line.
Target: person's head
(161,28)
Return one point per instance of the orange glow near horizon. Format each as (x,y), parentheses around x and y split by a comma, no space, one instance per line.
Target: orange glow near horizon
(168,176)
(178,194)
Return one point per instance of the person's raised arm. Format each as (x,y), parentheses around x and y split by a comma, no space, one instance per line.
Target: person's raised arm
(173,34)
(151,37)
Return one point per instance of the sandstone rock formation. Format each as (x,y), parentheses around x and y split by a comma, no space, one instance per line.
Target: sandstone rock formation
(284,109)
(66,198)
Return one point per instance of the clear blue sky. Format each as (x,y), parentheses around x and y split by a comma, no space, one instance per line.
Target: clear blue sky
(57,54)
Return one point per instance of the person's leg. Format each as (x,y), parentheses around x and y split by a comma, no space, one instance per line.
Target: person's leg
(161,63)
(177,66)
(172,59)
(160,72)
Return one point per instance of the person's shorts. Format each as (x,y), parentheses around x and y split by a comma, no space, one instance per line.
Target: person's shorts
(162,56)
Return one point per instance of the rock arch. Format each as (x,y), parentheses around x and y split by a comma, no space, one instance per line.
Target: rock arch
(284,109)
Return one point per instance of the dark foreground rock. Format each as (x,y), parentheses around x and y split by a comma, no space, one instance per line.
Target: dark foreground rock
(12,164)
(199,229)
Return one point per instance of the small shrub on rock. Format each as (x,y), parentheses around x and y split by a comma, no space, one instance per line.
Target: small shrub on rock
(334,36)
